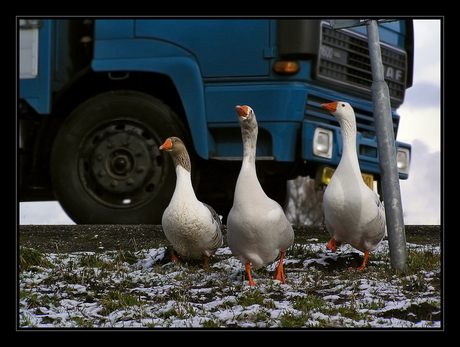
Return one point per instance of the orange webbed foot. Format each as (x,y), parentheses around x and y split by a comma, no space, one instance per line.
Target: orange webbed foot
(332,246)
(363,265)
(279,272)
(248,270)
(175,259)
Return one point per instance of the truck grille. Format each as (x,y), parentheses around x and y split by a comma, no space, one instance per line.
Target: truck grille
(344,59)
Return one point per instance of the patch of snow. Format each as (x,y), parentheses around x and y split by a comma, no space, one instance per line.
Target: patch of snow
(152,293)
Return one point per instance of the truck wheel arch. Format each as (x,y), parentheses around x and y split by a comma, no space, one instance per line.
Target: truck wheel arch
(186,77)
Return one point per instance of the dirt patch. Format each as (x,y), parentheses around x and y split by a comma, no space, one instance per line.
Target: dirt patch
(74,238)
(415,313)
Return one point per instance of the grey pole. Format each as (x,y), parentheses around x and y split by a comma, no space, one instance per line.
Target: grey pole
(387,153)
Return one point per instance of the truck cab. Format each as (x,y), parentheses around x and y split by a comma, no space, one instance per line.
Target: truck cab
(99,96)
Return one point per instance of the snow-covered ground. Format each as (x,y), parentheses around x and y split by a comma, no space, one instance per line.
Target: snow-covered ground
(145,289)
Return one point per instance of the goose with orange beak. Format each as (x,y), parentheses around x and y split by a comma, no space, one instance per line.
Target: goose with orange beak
(353,212)
(257,228)
(192,227)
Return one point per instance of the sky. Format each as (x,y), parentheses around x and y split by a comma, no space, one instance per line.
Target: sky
(420,125)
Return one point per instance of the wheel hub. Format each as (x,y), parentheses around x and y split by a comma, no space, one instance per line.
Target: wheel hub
(120,164)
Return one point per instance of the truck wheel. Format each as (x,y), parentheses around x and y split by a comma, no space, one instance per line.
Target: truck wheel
(106,166)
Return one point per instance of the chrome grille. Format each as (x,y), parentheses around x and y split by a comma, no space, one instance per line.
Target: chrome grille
(344,59)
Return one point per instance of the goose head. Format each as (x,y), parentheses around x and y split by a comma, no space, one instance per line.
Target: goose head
(247,117)
(176,148)
(173,144)
(341,110)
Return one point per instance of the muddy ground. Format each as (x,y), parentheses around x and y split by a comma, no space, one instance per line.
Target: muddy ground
(74,238)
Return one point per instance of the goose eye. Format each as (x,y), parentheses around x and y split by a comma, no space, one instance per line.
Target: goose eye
(343,105)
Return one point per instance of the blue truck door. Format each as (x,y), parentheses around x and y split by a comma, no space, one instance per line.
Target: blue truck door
(35,38)
(223,48)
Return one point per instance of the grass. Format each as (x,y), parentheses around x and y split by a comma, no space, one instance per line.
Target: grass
(115,300)
(30,258)
(143,288)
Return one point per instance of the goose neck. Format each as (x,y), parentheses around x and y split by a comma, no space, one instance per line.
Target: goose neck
(182,159)
(184,186)
(249,145)
(349,160)
(183,174)
(348,136)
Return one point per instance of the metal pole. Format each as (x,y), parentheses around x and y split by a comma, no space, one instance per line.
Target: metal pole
(387,153)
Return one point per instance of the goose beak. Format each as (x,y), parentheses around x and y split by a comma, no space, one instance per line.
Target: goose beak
(331,107)
(167,146)
(242,111)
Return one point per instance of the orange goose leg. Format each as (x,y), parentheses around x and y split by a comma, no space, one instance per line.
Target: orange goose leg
(279,272)
(248,270)
(363,265)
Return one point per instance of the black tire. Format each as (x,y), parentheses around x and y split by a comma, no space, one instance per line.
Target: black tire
(106,166)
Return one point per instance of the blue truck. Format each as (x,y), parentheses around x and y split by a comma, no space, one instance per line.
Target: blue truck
(97,97)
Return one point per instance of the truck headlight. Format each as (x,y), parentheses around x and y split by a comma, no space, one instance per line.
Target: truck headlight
(403,159)
(322,143)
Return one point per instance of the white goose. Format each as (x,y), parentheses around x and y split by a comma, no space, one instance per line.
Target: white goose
(192,227)
(353,212)
(257,228)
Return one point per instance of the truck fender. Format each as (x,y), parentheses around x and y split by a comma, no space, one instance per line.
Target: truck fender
(179,65)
